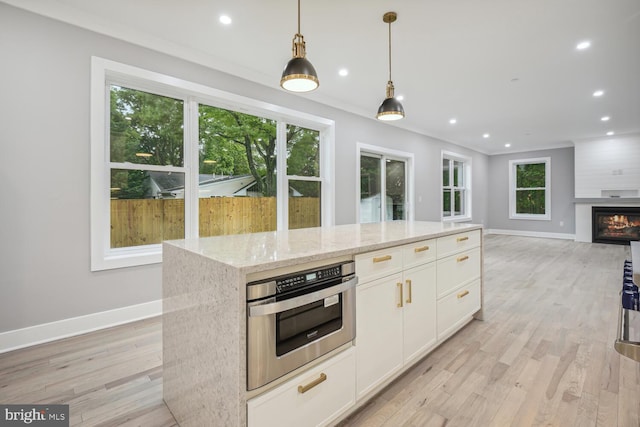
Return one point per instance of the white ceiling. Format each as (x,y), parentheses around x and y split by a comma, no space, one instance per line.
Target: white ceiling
(504,67)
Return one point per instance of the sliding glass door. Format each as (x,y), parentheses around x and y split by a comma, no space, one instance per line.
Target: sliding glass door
(383,188)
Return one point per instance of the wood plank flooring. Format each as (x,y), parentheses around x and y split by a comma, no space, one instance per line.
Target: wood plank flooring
(543,356)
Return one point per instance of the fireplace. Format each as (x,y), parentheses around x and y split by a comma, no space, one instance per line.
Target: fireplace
(615,224)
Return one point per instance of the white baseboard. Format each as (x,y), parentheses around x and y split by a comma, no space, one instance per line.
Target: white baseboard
(38,334)
(531,234)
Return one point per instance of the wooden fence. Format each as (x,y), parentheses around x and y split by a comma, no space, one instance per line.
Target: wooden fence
(137,222)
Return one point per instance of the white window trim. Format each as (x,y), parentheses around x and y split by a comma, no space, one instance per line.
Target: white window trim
(103,71)
(467,186)
(397,155)
(512,189)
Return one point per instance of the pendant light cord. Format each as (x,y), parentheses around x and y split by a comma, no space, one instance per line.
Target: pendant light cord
(389,50)
(298,16)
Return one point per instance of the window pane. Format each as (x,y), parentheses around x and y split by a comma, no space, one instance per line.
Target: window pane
(395,197)
(446,203)
(530,175)
(304,204)
(146,207)
(445,172)
(530,202)
(369,189)
(237,179)
(458,202)
(145,128)
(458,170)
(303,151)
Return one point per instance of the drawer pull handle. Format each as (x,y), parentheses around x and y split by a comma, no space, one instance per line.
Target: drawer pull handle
(305,388)
(400,304)
(421,249)
(462,258)
(409,298)
(462,239)
(382,258)
(463,294)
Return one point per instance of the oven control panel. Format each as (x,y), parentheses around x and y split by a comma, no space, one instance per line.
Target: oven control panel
(287,283)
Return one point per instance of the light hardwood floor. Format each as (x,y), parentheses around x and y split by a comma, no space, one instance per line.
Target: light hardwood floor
(543,356)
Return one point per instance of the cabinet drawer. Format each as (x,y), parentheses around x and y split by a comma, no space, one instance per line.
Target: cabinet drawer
(377,264)
(458,269)
(298,402)
(418,253)
(455,243)
(454,309)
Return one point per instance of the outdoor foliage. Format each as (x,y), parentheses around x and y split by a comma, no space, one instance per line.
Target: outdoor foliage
(530,188)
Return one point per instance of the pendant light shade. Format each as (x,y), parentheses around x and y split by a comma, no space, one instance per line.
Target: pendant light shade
(391,108)
(299,75)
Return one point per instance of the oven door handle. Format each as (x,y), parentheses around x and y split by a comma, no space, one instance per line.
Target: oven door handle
(266,308)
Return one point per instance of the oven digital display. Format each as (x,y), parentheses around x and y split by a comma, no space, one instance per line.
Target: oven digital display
(311,276)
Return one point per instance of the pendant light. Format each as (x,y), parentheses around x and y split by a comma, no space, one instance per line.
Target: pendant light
(391,108)
(299,75)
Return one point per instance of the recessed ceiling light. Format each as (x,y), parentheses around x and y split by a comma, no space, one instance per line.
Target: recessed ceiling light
(598,93)
(225,19)
(453,121)
(610,133)
(507,145)
(343,72)
(486,135)
(400,97)
(583,45)
(605,118)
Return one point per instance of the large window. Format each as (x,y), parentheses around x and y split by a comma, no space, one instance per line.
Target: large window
(385,178)
(456,187)
(530,189)
(172,159)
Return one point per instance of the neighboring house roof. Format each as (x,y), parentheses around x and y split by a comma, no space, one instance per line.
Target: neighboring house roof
(172,184)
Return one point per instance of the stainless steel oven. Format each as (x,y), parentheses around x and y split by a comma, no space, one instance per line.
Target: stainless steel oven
(296,318)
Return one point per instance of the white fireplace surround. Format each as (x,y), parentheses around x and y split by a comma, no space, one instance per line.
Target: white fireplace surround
(583,216)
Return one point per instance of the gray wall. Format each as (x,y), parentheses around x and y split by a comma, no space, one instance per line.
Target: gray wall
(44,137)
(562,190)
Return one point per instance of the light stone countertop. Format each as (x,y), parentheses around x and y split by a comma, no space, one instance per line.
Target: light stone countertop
(259,251)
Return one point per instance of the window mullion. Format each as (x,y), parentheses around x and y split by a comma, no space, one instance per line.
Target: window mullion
(192,161)
(282,181)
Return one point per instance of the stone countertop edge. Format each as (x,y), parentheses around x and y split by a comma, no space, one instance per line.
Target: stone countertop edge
(250,253)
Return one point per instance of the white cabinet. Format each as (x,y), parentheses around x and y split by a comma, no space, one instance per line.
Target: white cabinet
(395,317)
(378,332)
(419,321)
(313,398)
(459,268)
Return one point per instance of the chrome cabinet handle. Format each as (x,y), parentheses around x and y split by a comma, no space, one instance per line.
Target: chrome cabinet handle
(382,258)
(463,294)
(421,249)
(409,298)
(400,304)
(462,239)
(305,388)
(462,258)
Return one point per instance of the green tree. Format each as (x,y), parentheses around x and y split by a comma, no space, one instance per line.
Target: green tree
(256,136)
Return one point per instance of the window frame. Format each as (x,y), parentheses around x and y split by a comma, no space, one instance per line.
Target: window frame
(104,73)
(387,153)
(466,175)
(513,164)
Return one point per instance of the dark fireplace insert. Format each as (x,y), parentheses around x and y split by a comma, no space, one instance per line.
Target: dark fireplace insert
(615,224)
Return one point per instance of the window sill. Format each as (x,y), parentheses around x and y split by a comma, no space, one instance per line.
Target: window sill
(456,219)
(531,217)
(127,257)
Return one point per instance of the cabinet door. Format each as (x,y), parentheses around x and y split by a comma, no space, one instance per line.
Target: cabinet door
(419,311)
(313,398)
(378,332)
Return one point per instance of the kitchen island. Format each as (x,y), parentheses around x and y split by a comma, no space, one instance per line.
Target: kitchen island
(204,306)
